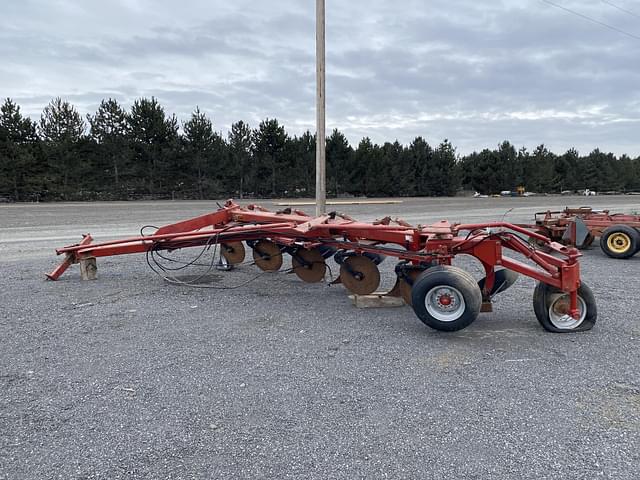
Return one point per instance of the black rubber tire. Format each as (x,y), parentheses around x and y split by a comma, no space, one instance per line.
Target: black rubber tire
(631,233)
(541,304)
(446,276)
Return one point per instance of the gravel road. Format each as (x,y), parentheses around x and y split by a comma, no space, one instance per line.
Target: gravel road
(129,377)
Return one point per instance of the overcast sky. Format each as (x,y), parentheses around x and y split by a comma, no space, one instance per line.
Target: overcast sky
(474,72)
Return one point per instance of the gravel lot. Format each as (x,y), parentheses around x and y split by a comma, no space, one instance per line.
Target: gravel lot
(129,377)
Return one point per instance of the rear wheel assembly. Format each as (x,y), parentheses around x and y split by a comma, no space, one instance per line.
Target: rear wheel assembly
(446,298)
(620,241)
(551,306)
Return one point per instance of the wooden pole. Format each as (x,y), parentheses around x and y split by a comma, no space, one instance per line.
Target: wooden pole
(321,181)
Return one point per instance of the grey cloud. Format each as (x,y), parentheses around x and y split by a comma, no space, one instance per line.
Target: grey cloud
(473,72)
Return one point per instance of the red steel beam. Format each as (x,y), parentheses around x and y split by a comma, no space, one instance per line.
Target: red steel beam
(70,259)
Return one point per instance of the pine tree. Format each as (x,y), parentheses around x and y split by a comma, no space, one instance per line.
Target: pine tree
(360,177)
(338,156)
(444,179)
(269,144)
(421,158)
(200,140)
(62,128)
(17,140)
(109,128)
(541,171)
(240,150)
(154,139)
(392,179)
(307,155)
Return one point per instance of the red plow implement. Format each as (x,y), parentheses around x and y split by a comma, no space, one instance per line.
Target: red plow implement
(444,297)
(619,233)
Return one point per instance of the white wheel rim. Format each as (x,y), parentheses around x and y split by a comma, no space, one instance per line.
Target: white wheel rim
(445,303)
(557,308)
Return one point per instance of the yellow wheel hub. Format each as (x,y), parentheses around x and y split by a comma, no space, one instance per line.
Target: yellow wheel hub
(619,242)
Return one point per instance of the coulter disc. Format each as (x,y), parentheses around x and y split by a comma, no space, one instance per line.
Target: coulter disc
(309,265)
(360,275)
(267,256)
(405,288)
(233,252)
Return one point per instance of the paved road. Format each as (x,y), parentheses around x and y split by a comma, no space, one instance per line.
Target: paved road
(129,377)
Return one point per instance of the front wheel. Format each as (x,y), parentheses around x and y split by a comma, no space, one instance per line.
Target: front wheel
(551,306)
(446,298)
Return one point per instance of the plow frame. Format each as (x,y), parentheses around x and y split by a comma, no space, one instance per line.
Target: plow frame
(423,245)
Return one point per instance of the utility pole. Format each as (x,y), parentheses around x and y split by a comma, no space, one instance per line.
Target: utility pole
(321,179)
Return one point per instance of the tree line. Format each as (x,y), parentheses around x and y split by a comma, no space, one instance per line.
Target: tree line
(119,154)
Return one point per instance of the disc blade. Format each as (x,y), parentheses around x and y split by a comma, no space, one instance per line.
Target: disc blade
(233,252)
(267,256)
(405,287)
(504,279)
(360,275)
(309,265)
